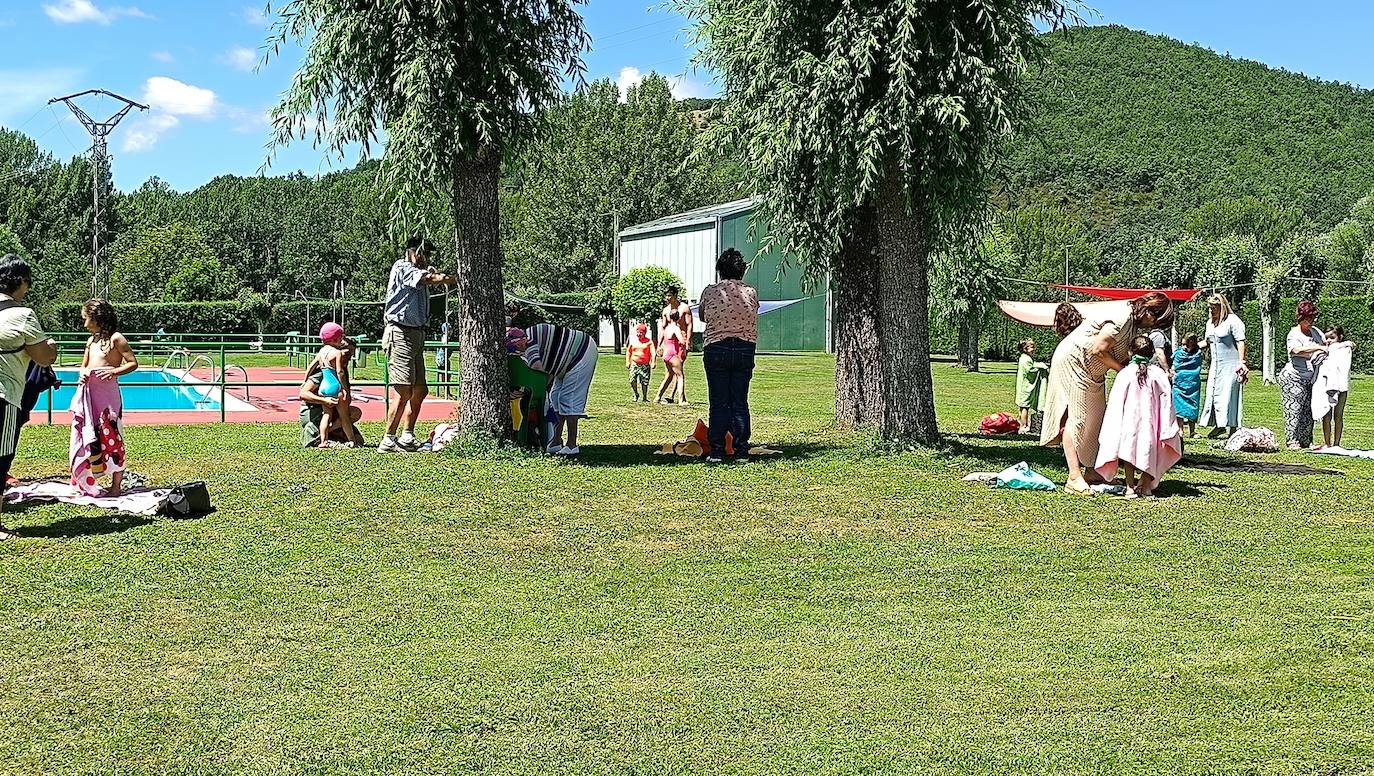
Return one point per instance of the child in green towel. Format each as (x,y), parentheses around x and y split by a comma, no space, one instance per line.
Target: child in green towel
(1030,383)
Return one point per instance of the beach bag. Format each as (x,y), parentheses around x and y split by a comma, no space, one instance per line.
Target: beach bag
(189,500)
(1001,423)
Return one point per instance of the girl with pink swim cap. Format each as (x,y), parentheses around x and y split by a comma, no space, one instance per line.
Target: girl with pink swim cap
(333,362)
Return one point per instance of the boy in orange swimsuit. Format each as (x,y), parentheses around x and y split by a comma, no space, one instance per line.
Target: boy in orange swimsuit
(639,359)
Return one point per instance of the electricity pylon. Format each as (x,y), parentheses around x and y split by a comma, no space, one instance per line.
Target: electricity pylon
(100,166)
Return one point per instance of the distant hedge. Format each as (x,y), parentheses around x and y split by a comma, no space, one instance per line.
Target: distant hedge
(360,320)
(1002,334)
(174,317)
(1350,312)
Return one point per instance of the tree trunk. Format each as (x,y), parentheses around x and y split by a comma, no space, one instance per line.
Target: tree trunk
(970,332)
(858,351)
(482,371)
(1267,333)
(963,347)
(619,339)
(903,312)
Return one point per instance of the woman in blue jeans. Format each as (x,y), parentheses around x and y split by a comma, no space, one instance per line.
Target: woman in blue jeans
(730,309)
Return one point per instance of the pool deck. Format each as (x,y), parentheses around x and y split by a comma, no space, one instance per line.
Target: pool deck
(271,404)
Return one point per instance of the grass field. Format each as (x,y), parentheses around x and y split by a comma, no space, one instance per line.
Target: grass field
(844,610)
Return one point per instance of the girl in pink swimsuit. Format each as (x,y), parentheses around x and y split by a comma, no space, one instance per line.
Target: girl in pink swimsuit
(673,346)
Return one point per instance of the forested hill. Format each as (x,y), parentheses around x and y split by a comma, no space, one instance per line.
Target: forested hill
(1137,130)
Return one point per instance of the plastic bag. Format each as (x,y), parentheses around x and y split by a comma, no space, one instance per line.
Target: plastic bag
(1022,477)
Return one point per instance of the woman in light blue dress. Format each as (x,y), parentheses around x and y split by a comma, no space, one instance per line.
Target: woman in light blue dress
(1225,339)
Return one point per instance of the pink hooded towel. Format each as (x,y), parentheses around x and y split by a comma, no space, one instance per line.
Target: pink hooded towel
(97,446)
(1140,427)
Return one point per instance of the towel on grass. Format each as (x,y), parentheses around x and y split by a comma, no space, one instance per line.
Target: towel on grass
(143,501)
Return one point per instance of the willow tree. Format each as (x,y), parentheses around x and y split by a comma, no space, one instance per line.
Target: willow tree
(447,87)
(870,127)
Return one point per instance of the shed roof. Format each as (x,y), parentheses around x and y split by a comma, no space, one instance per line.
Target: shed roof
(702,215)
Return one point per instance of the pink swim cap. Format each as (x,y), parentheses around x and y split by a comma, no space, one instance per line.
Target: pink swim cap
(331,332)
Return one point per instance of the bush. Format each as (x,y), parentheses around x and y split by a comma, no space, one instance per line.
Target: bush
(638,296)
(174,317)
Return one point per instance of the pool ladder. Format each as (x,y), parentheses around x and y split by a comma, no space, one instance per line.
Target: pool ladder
(210,364)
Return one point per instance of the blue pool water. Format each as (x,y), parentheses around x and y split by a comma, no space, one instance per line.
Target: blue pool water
(138,397)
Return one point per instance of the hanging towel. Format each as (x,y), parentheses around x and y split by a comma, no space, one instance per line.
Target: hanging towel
(97,445)
(1333,378)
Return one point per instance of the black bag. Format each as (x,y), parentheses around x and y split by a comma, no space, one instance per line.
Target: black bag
(189,500)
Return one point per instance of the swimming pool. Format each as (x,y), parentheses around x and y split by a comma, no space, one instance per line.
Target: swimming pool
(141,398)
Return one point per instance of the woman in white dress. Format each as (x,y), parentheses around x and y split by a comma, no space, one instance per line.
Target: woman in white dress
(1225,340)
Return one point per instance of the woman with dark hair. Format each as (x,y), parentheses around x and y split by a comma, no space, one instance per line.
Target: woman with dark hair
(22,342)
(1066,319)
(1306,349)
(730,308)
(1077,398)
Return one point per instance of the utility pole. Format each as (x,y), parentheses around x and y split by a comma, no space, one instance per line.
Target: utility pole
(100,167)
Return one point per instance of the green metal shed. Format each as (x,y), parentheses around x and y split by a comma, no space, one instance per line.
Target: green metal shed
(795,317)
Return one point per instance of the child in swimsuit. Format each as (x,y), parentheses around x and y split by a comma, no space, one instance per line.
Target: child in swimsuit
(673,344)
(334,384)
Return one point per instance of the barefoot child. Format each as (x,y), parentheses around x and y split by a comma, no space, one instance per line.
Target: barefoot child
(639,359)
(1030,383)
(97,442)
(673,348)
(1333,386)
(334,382)
(1140,431)
(1188,383)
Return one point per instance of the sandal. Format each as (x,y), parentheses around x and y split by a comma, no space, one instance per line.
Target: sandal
(1074,490)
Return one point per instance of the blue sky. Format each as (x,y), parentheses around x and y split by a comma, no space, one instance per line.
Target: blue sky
(193,62)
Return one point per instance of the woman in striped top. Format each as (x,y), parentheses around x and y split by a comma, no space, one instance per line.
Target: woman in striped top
(568,357)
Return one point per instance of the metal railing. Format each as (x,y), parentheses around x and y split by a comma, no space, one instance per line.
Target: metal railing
(193,348)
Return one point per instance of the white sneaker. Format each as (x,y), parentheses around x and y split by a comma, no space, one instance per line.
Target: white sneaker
(408,442)
(388,445)
(567,451)
(554,448)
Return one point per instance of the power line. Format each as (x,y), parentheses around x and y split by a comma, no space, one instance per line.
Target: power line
(58,123)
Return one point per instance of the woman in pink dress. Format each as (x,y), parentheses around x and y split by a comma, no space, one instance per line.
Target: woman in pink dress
(1140,430)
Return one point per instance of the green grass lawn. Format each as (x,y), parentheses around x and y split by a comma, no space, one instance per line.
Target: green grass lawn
(843,610)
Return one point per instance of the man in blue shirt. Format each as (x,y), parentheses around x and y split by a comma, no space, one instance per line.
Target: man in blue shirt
(405,312)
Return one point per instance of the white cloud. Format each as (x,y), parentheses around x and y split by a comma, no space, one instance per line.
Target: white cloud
(79,11)
(629,76)
(249,121)
(144,133)
(682,86)
(254,16)
(168,95)
(169,100)
(240,58)
(164,57)
(23,91)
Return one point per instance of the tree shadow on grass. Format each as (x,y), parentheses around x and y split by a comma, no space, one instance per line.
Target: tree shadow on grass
(625,456)
(1217,463)
(86,525)
(999,452)
(1180,489)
